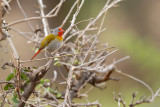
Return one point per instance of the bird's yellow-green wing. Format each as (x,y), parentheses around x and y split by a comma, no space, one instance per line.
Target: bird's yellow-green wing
(47,40)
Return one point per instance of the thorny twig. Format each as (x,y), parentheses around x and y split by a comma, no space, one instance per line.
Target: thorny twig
(120,100)
(133,103)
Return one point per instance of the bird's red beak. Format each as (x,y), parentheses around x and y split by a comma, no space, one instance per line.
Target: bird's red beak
(61,31)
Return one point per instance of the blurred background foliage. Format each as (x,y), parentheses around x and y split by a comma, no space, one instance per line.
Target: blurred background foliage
(132,27)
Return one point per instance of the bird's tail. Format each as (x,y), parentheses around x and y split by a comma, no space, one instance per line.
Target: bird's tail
(36,54)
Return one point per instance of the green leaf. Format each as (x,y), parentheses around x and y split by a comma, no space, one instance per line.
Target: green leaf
(59,95)
(48,106)
(15,71)
(6,87)
(76,50)
(27,81)
(51,90)
(15,95)
(10,76)
(46,80)
(26,69)
(57,63)
(46,90)
(42,81)
(14,99)
(23,76)
(56,59)
(38,85)
(76,61)
(34,67)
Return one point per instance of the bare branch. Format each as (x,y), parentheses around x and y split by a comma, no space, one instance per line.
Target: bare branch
(63,55)
(65,20)
(36,76)
(7,82)
(73,19)
(86,105)
(19,5)
(140,81)
(57,8)
(44,20)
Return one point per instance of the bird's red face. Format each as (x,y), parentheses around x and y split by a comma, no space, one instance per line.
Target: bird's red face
(60,32)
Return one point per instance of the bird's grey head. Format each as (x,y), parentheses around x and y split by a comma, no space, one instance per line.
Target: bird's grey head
(58,31)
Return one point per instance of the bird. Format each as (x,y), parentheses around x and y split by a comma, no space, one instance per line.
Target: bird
(52,42)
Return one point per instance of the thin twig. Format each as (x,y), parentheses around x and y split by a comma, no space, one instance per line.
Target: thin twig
(86,105)
(25,15)
(44,20)
(56,7)
(22,34)
(7,82)
(13,47)
(63,55)
(28,19)
(70,11)
(74,19)
(99,31)
(140,81)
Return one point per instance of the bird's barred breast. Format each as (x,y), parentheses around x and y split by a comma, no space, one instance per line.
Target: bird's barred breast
(53,45)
